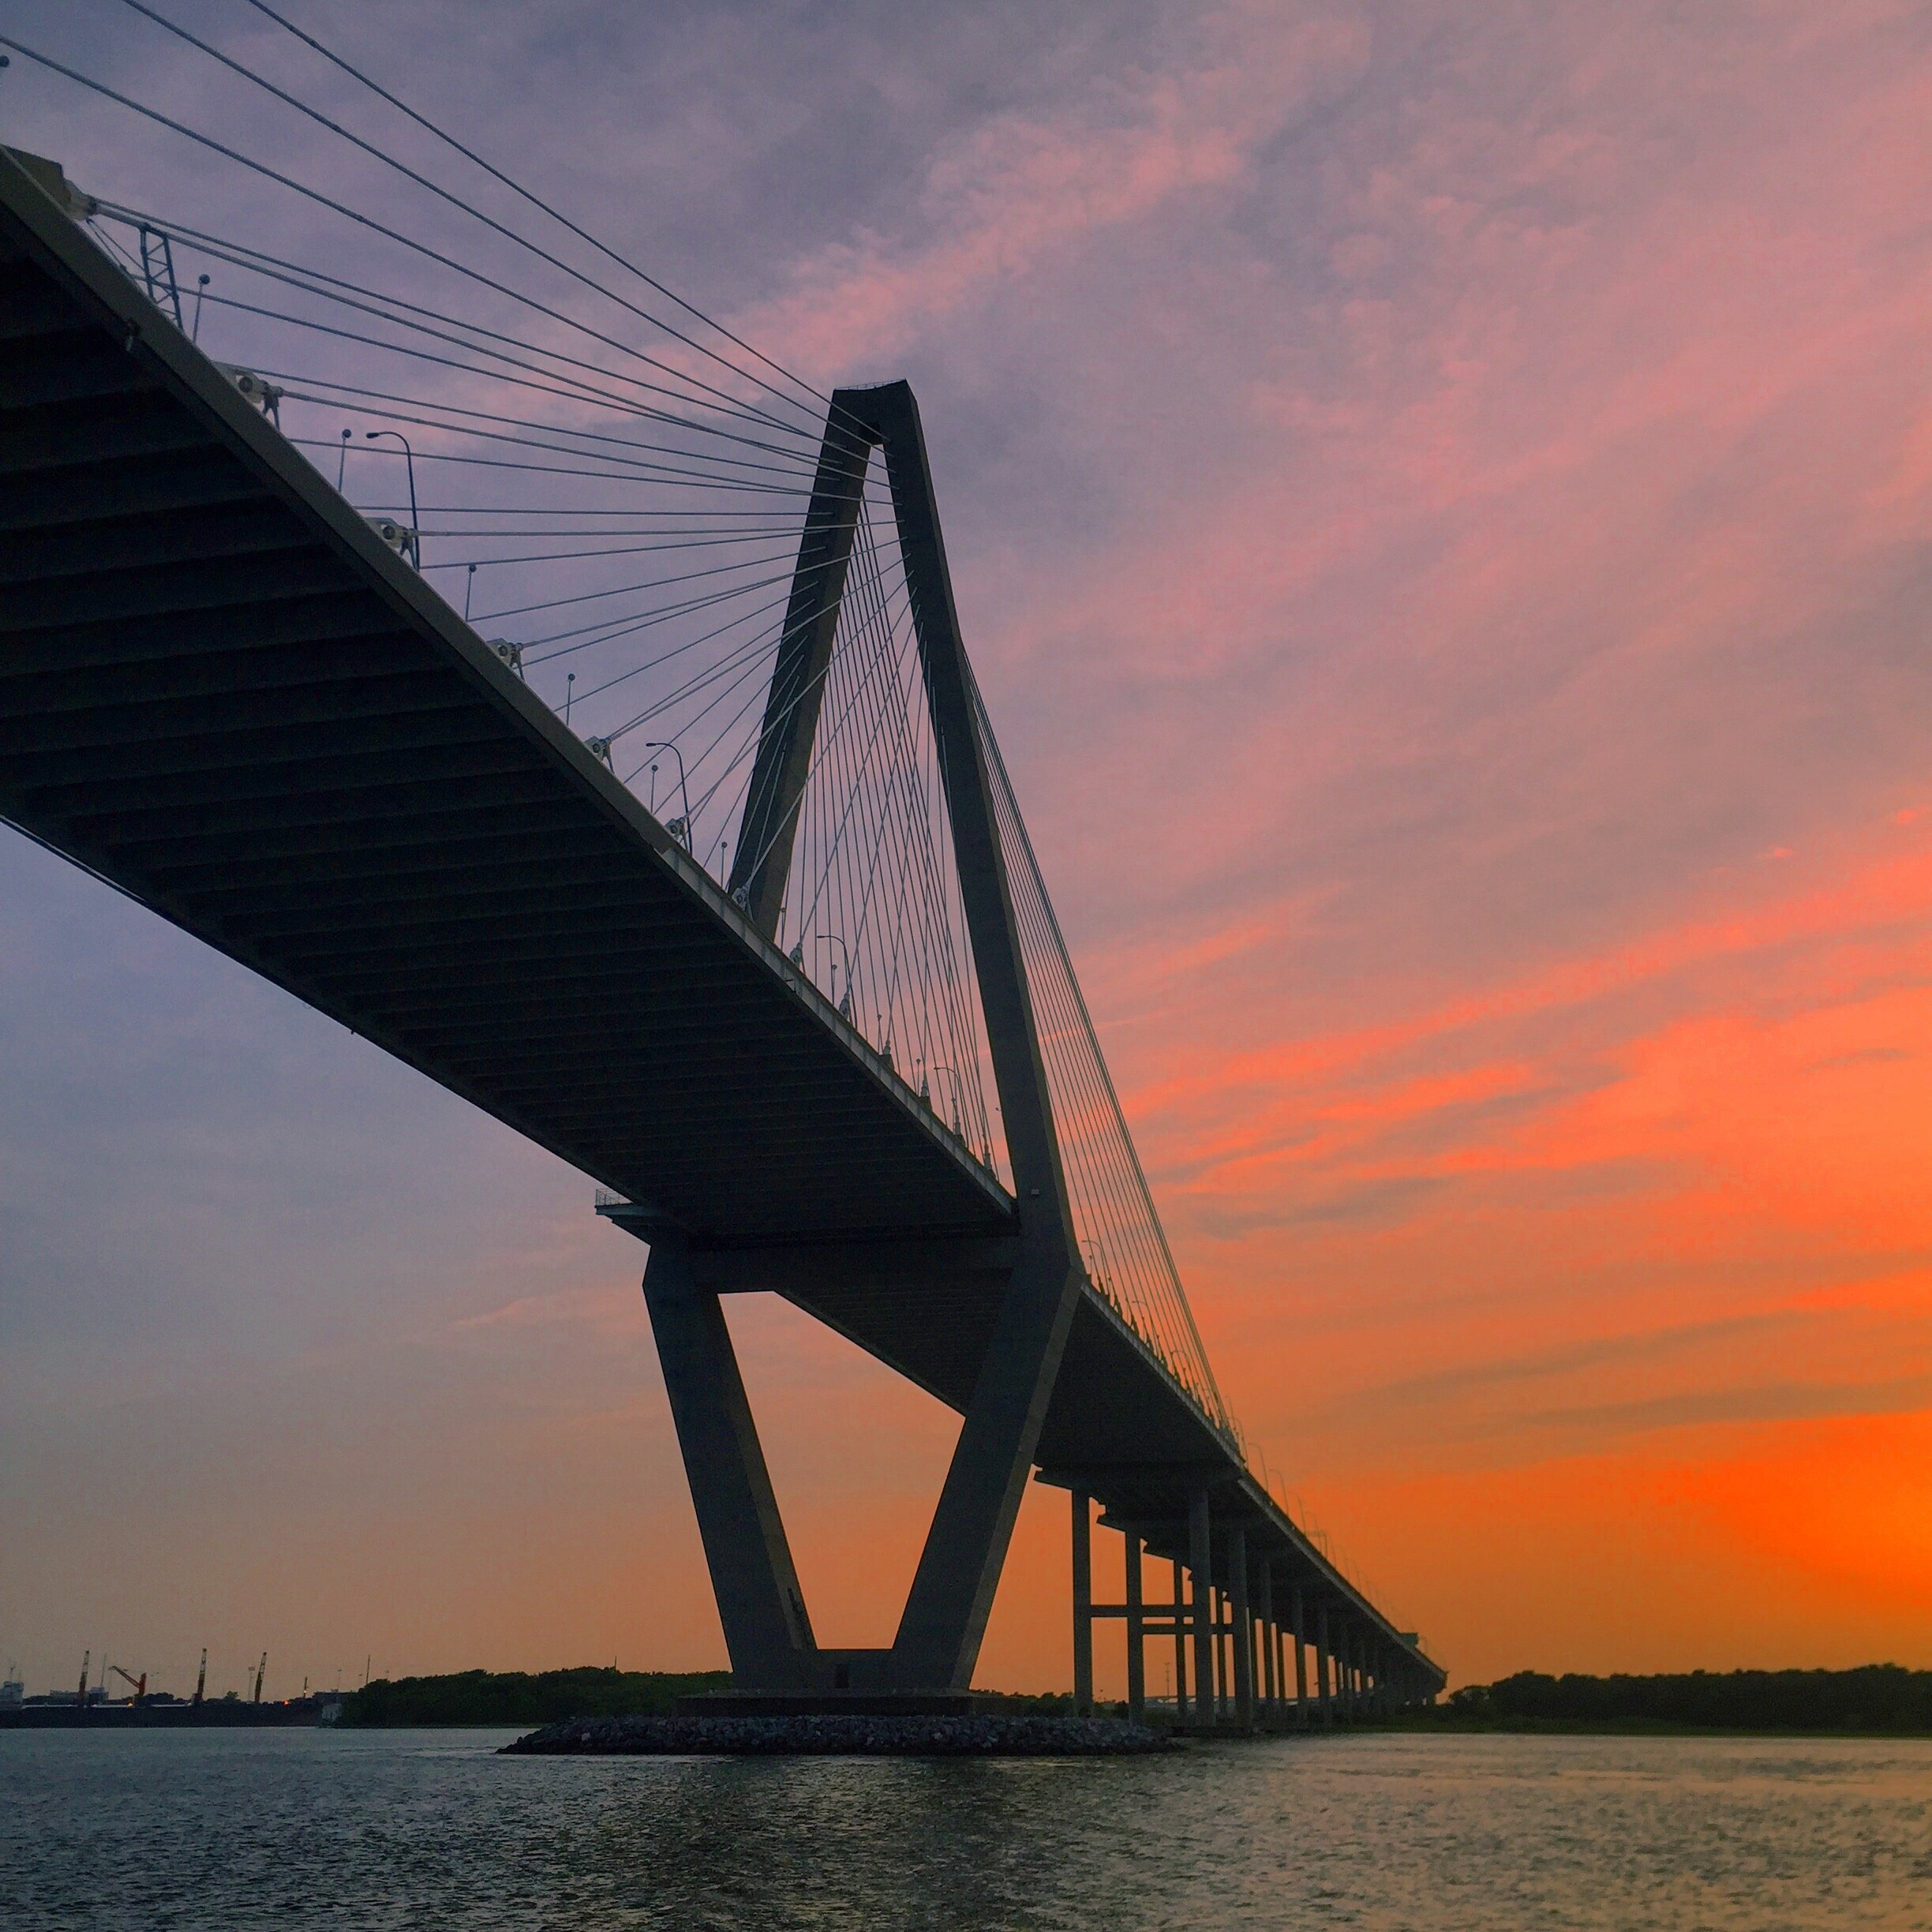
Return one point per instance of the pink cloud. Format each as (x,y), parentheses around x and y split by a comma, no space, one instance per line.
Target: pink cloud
(1009,196)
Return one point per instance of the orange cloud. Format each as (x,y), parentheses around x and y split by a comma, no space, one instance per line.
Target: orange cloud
(1807,1542)
(1603,1239)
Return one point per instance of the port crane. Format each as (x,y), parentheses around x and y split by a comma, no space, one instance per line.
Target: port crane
(140,1684)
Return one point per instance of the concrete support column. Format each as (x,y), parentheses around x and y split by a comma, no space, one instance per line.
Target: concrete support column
(1323,1657)
(1216,1696)
(1180,1647)
(1136,1632)
(1200,1575)
(1270,1683)
(1224,1672)
(945,1610)
(1301,1661)
(1243,1637)
(1083,1604)
(760,1604)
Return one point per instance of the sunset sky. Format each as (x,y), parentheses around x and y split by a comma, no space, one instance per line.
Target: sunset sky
(1439,500)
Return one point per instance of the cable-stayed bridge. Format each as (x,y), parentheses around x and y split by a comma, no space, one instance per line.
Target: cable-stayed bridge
(615,760)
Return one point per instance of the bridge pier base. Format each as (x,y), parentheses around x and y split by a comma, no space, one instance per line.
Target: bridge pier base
(1137,1631)
(761,1604)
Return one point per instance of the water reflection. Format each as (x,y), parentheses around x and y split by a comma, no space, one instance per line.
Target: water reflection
(1439,1834)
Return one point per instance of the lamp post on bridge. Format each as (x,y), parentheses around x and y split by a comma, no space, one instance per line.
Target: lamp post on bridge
(938,1067)
(409,457)
(680,828)
(845,999)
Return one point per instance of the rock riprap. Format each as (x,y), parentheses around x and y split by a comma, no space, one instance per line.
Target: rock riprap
(1022,1735)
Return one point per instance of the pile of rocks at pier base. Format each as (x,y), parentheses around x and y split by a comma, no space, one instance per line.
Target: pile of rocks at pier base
(1019,1735)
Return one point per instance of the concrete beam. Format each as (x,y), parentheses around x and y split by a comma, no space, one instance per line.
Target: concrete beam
(801,1266)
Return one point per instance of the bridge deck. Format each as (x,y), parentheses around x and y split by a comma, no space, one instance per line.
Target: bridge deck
(219,690)
(222,693)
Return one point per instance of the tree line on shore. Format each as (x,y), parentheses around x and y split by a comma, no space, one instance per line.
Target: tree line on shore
(1876,1697)
(520,1698)
(524,1697)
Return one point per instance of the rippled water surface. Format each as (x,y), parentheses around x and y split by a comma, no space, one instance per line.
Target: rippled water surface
(429,1828)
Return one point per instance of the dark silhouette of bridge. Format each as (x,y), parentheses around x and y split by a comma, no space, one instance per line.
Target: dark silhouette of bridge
(231,695)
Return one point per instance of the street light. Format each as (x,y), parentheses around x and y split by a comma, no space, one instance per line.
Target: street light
(410,457)
(680,828)
(956,1104)
(845,1004)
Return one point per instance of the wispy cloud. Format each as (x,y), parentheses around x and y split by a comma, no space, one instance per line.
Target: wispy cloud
(1002,197)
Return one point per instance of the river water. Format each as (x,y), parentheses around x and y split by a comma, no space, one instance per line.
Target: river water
(340,1829)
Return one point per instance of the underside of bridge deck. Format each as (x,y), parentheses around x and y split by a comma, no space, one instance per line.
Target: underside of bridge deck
(222,693)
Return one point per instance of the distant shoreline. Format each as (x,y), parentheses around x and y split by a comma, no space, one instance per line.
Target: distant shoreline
(1448,1724)
(1872,1702)
(1415,1725)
